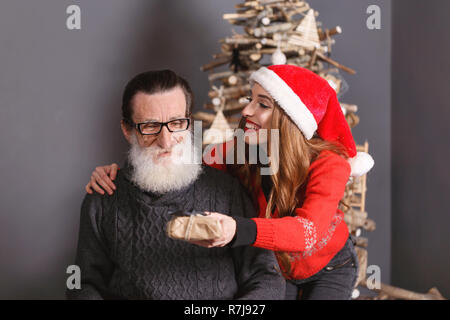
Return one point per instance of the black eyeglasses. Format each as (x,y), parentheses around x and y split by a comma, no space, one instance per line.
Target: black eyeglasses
(153,127)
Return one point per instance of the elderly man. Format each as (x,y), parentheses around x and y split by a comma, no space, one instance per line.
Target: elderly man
(123,249)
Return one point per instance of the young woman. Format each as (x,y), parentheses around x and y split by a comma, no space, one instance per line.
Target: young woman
(298,210)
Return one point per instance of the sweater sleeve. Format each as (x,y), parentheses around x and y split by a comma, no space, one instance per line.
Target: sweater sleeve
(257,271)
(245,232)
(328,176)
(92,253)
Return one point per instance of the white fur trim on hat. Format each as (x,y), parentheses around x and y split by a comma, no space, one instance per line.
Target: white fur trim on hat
(287,99)
(361,164)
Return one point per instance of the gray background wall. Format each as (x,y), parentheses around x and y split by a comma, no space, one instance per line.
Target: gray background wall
(60,96)
(420,145)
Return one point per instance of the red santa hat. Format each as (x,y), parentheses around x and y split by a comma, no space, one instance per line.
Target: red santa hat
(312,105)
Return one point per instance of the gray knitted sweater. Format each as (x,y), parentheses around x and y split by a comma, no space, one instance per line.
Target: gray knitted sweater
(124,252)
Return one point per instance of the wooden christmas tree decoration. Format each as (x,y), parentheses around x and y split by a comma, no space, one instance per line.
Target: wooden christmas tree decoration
(276,31)
(219,131)
(306,34)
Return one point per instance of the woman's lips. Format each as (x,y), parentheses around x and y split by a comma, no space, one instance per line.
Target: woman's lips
(251,126)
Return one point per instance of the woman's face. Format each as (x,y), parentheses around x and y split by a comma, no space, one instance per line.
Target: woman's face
(258,114)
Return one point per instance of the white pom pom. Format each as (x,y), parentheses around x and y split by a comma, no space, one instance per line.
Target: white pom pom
(278,57)
(361,164)
(355,293)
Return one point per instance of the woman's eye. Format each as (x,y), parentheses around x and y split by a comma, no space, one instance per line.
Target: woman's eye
(249,99)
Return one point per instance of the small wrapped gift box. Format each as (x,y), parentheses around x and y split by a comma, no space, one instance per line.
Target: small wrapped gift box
(194,227)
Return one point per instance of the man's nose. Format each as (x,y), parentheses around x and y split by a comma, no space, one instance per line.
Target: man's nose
(164,139)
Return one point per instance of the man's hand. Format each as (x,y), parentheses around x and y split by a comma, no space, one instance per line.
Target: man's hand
(228,227)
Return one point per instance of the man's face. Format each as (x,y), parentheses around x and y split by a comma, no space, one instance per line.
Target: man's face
(159,107)
(159,161)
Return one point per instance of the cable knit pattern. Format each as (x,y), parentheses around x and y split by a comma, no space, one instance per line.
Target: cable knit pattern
(124,252)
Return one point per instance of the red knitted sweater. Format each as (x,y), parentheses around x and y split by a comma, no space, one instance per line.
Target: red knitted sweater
(318,231)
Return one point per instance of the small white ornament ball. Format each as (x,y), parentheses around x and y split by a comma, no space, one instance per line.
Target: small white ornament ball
(355,293)
(265,21)
(243,100)
(278,57)
(232,80)
(216,101)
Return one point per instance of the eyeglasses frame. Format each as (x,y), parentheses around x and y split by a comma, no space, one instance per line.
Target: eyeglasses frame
(137,126)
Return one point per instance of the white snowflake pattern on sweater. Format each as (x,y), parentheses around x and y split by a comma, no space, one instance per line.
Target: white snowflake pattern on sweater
(309,231)
(318,245)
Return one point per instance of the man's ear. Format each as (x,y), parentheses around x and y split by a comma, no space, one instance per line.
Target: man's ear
(127,132)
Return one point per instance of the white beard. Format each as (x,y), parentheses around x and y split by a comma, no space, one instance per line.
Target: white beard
(170,173)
